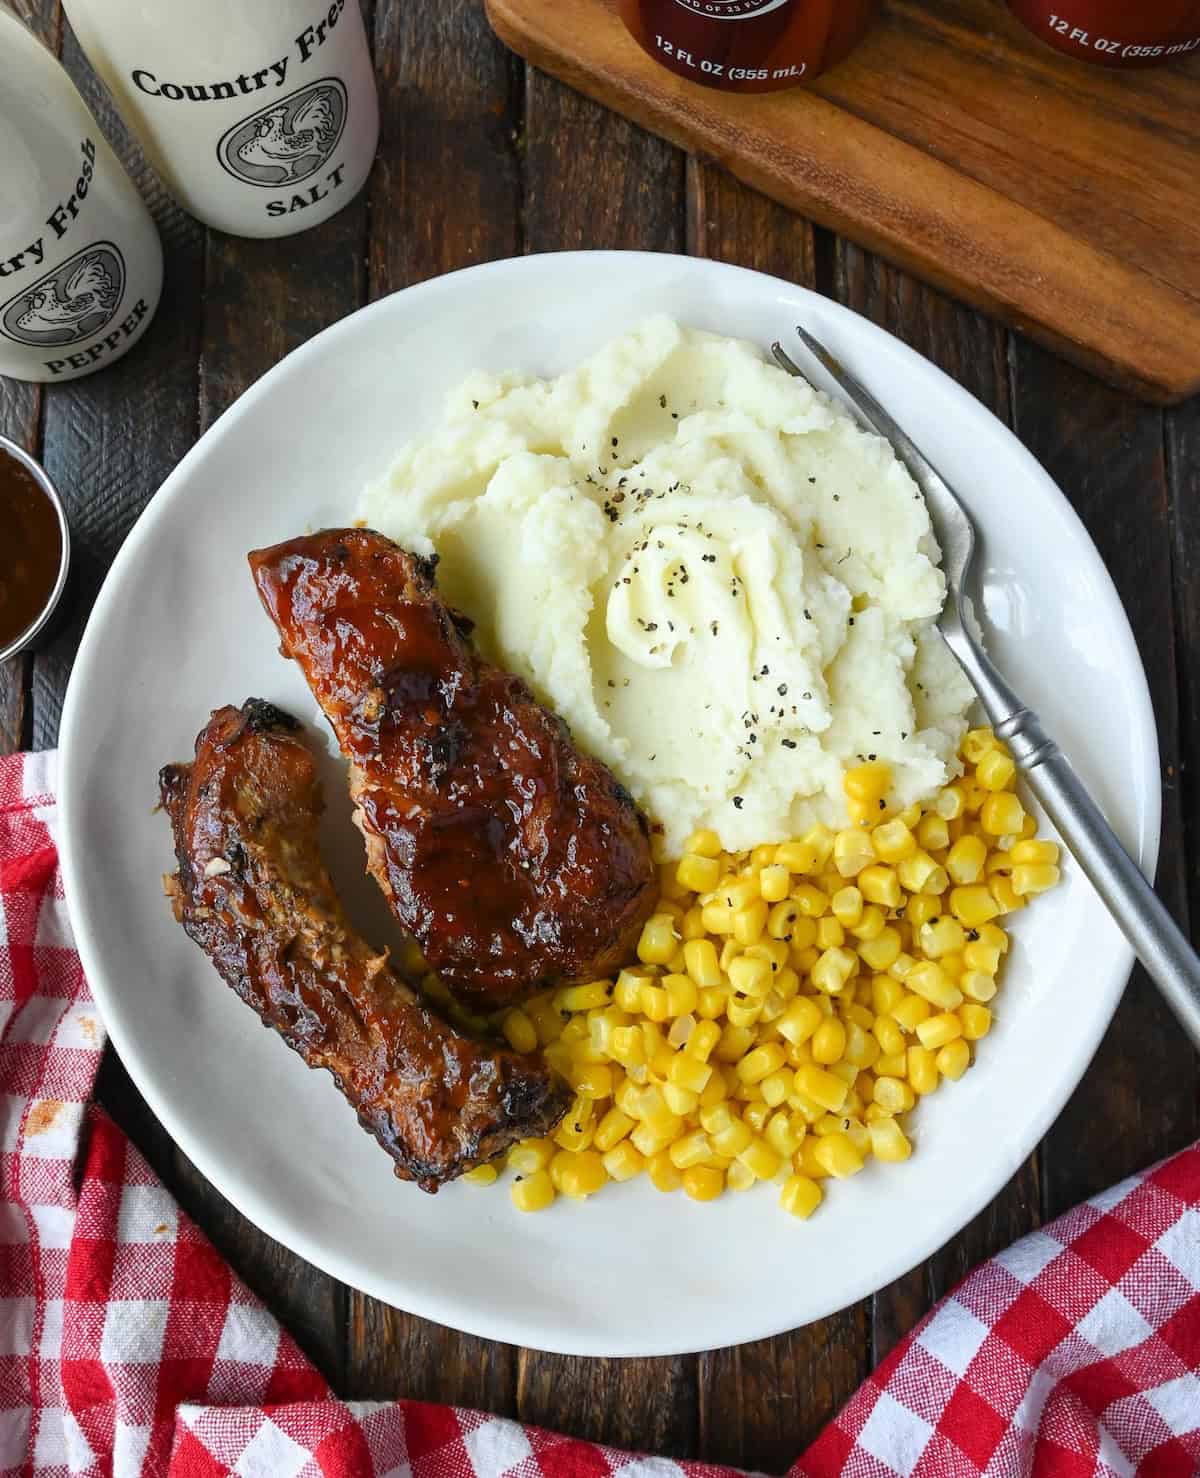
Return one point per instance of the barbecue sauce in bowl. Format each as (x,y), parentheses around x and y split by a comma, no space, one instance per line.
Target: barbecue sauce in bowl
(31,552)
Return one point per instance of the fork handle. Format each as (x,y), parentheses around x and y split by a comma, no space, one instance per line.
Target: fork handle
(1157,940)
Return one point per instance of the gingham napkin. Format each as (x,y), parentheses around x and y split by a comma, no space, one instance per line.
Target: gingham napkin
(128,1347)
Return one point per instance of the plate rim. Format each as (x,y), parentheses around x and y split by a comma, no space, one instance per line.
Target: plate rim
(244,1196)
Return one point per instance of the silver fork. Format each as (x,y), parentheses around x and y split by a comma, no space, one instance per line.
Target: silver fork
(1169,959)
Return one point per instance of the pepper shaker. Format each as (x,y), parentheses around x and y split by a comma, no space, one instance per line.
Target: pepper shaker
(261,119)
(80,259)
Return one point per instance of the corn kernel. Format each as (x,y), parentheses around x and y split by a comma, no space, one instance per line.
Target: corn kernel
(932,832)
(704,1038)
(892,1064)
(583,1176)
(1008,900)
(881,952)
(916,872)
(920,909)
(830,934)
(942,936)
(628,1047)
(739,892)
(976,1021)
(776,1086)
(889,1143)
(950,803)
(692,1149)
(809,900)
(888,1034)
(717,918)
(1038,852)
(832,970)
(871,925)
(973,905)
(750,977)
(698,874)
(880,884)
(1001,813)
(867,782)
(922,1070)
(976,985)
(755,1066)
(481,1175)
(701,1183)
(931,982)
(649,1139)
(662,1173)
(846,906)
(783,1135)
(886,992)
(700,961)
(800,1020)
(735,1042)
(829,1041)
(954,1059)
(592,1079)
(658,940)
(908,1012)
(976,743)
(532,1192)
(703,843)
(611,1129)
(623,1162)
(995,770)
(749,922)
(520,1031)
(939,1030)
(1034,877)
(822,1087)
(837,1154)
(852,851)
(965,860)
(893,841)
(774,882)
(894,1095)
(761,1158)
(811,852)
(627,996)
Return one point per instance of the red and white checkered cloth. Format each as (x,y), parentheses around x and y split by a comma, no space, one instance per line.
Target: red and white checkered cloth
(128,1347)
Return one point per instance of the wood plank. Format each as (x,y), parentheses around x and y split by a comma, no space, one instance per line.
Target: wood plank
(973,350)
(956,146)
(20,405)
(1183,473)
(1138,1099)
(592,180)
(444,193)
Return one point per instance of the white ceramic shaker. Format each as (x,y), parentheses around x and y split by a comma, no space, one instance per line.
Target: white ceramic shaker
(260,116)
(80,260)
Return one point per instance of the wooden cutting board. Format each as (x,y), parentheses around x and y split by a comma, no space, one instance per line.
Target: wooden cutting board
(1060,197)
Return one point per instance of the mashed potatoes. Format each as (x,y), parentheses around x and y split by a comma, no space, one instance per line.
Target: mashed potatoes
(724,587)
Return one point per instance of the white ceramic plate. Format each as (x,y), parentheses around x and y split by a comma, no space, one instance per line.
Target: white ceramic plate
(178,630)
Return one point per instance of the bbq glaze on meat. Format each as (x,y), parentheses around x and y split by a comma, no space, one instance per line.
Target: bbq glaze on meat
(251,890)
(515,860)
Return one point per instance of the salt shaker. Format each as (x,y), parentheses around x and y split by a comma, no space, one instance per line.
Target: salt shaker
(261,119)
(80,260)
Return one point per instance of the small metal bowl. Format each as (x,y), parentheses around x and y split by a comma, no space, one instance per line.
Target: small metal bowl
(38,473)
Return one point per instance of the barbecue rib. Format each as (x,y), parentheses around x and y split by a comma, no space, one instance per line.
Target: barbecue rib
(516,861)
(251,890)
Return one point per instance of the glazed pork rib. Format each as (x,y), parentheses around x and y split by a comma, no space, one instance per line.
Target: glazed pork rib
(252,892)
(515,860)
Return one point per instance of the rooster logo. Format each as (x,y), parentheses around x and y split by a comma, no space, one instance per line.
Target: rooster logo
(288,141)
(72,302)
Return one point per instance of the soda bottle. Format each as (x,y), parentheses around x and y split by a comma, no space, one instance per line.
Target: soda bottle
(748,45)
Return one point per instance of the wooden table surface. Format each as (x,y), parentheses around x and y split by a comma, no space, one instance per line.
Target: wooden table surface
(481,158)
